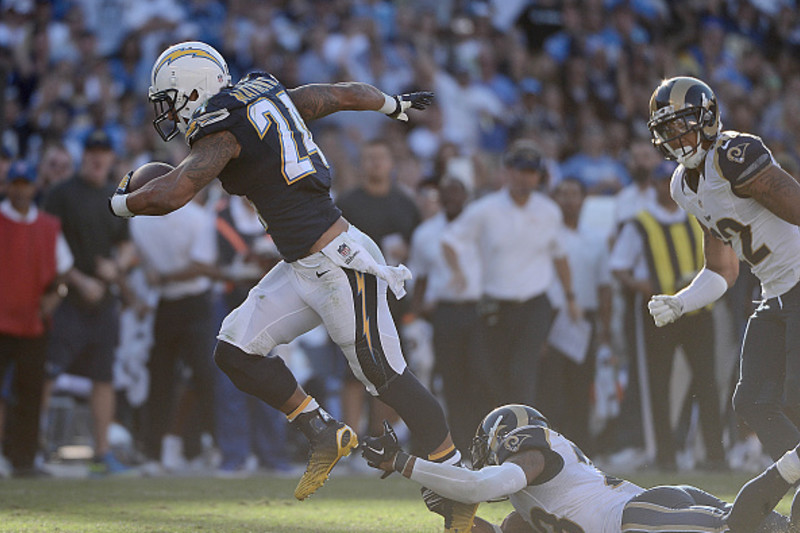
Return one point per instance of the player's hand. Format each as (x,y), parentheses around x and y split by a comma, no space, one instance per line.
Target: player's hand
(380,452)
(665,309)
(419,100)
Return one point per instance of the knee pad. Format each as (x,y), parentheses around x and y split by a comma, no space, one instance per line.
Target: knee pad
(418,408)
(267,378)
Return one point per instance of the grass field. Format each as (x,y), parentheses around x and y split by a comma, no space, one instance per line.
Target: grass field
(258,504)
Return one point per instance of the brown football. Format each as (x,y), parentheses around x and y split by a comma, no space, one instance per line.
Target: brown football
(146,173)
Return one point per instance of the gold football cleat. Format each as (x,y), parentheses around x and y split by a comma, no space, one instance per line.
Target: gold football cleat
(331,444)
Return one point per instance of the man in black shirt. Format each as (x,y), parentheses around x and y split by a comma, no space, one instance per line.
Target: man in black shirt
(86,325)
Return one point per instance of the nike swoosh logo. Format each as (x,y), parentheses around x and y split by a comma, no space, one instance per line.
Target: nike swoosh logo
(320,274)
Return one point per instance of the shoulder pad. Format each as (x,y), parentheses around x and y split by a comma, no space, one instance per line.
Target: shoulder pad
(740,156)
(215,115)
(532,438)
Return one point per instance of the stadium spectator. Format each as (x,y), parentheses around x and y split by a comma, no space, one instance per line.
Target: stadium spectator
(33,265)
(55,167)
(593,166)
(462,357)
(178,252)
(517,265)
(567,373)
(86,324)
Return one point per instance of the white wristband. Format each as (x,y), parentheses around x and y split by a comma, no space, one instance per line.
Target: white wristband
(119,205)
(389,105)
(706,287)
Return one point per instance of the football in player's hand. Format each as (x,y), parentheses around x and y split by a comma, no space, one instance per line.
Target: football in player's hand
(147,173)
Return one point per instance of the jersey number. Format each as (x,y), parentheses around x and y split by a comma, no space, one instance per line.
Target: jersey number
(728,227)
(544,522)
(295,140)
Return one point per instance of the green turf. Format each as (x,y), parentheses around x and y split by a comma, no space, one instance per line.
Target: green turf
(260,504)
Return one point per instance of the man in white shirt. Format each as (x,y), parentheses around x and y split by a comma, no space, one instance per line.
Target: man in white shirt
(178,252)
(459,337)
(518,231)
(567,374)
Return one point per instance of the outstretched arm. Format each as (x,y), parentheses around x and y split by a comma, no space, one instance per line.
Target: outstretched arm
(318,100)
(455,483)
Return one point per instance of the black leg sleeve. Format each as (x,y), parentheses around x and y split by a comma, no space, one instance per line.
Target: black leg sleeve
(267,378)
(756,500)
(419,410)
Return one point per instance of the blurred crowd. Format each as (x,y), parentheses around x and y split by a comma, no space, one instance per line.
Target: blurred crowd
(572,77)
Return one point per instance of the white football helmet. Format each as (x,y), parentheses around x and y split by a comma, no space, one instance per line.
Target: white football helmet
(178,72)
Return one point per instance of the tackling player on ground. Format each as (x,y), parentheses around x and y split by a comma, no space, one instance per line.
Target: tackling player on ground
(553,486)
(253,137)
(750,209)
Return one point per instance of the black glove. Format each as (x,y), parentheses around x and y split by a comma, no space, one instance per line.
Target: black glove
(419,100)
(382,449)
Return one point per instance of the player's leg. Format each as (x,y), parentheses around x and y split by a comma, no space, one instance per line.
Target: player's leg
(758,497)
(696,350)
(103,324)
(275,313)
(669,508)
(791,313)
(355,312)
(758,398)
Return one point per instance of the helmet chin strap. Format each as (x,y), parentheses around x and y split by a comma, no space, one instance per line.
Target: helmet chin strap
(694,158)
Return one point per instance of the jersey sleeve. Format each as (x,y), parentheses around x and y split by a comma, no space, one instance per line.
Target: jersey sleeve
(742,158)
(532,438)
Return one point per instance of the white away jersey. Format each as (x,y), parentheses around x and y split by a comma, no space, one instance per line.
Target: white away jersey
(769,244)
(573,492)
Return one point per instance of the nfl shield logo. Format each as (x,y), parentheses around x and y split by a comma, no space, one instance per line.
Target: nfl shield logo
(343,250)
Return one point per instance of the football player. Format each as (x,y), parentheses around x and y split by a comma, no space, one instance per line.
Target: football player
(750,208)
(553,486)
(253,137)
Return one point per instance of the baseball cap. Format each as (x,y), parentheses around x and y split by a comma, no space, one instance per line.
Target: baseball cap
(20,170)
(664,170)
(98,139)
(524,155)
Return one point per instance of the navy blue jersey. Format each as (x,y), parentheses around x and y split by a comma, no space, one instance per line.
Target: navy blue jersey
(741,156)
(279,169)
